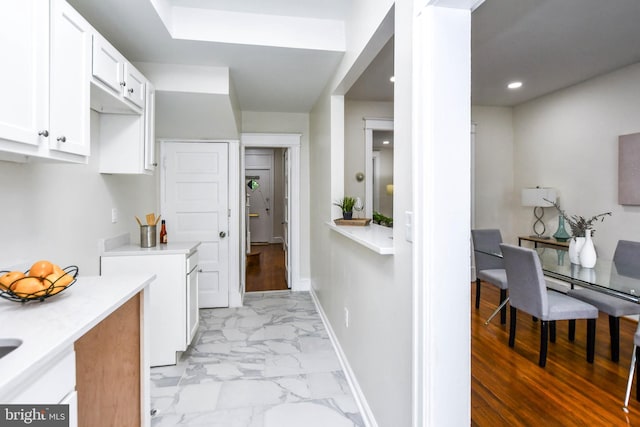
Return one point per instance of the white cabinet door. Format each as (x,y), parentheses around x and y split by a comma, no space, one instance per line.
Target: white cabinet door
(24,43)
(70,70)
(193,319)
(107,65)
(52,383)
(196,207)
(150,129)
(134,85)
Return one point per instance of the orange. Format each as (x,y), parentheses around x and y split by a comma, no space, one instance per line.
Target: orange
(41,269)
(59,278)
(8,278)
(28,287)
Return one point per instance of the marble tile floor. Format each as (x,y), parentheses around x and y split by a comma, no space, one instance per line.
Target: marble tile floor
(267,364)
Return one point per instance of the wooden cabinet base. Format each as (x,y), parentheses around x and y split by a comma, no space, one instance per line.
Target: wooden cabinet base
(108,370)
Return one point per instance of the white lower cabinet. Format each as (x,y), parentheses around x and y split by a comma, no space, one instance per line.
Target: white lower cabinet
(54,384)
(174,313)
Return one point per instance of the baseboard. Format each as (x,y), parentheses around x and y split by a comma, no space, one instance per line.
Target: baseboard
(235,299)
(361,401)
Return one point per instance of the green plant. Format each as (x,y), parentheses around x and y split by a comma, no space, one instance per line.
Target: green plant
(378,218)
(579,225)
(346,203)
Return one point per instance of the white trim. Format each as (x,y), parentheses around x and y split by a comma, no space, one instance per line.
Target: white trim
(235,286)
(291,141)
(440,146)
(358,395)
(371,124)
(304,285)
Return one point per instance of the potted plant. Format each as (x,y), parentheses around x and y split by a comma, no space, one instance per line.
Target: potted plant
(582,230)
(346,204)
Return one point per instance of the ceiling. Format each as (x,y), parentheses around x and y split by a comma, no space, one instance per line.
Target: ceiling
(547,44)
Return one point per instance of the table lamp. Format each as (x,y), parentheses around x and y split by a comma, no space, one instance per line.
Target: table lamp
(538,198)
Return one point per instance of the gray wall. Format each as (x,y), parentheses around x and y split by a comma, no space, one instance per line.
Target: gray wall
(567,140)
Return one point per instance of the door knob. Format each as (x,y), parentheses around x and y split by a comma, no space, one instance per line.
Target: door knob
(222,234)
(44,133)
(130,90)
(61,139)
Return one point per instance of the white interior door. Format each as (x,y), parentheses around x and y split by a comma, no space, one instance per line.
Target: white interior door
(196,208)
(260,205)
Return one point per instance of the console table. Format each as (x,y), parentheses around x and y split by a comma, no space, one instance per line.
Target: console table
(552,243)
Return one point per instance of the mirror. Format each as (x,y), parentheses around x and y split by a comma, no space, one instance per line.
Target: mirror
(379,166)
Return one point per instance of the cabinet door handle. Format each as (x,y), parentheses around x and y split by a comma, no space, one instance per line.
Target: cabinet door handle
(222,234)
(199,270)
(130,90)
(123,84)
(44,133)
(61,138)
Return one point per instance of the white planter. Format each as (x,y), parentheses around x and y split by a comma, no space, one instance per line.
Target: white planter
(588,253)
(575,246)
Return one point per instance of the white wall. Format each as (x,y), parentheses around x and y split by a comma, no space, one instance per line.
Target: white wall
(494,170)
(59,211)
(375,289)
(569,140)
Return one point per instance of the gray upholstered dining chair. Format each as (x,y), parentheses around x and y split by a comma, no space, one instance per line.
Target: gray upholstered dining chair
(635,359)
(489,269)
(626,257)
(528,292)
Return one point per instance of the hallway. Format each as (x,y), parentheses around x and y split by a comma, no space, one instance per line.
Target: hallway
(267,364)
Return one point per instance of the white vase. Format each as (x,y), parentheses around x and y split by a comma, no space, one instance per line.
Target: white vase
(575,246)
(588,252)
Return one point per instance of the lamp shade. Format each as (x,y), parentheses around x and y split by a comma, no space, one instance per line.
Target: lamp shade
(538,197)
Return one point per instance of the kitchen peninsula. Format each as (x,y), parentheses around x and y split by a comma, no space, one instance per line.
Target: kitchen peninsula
(86,347)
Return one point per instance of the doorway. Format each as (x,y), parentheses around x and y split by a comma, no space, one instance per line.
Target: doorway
(278,255)
(266,212)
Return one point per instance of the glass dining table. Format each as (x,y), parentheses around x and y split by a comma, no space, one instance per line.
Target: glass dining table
(616,279)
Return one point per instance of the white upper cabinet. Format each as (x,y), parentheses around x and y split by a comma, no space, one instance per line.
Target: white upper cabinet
(44,107)
(69,77)
(107,65)
(116,76)
(134,89)
(24,36)
(57,68)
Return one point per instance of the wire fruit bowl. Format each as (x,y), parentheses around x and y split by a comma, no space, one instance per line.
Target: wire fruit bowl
(50,288)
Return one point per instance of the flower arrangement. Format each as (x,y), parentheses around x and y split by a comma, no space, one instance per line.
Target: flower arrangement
(579,224)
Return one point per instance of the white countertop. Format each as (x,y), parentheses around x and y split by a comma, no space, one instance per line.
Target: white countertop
(160,249)
(373,236)
(50,327)
(121,246)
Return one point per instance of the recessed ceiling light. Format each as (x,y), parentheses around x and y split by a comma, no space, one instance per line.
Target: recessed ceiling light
(514,85)
(392,79)
(385,142)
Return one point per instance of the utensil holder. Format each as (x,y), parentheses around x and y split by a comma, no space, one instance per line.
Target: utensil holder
(147,236)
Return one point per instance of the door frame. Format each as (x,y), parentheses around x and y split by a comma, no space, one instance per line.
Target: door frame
(290,141)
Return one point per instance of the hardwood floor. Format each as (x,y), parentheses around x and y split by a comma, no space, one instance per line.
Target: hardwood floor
(265,268)
(508,388)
